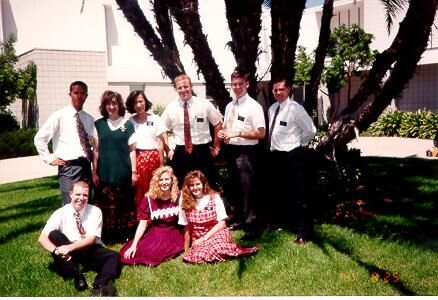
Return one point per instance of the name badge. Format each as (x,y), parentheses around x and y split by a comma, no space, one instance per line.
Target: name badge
(240,118)
(199,119)
(149,123)
(209,207)
(283,123)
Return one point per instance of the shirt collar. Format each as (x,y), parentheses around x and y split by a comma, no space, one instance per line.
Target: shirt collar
(189,102)
(238,101)
(73,111)
(73,211)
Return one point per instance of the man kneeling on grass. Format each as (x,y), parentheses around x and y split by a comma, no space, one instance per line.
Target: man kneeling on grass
(72,235)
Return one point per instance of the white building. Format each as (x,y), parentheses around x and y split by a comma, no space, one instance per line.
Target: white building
(422,90)
(92,41)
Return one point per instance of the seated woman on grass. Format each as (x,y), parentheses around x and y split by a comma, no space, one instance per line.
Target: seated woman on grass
(158,237)
(203,214)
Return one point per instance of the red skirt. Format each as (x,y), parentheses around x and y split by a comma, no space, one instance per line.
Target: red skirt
(147,162)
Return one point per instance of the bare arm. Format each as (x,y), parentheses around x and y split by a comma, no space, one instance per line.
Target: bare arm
(141,228)
(95,159)
(133,157)
(186,238)
(220,225)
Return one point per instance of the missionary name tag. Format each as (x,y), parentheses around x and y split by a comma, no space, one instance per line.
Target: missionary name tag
(240,118)
(283,123)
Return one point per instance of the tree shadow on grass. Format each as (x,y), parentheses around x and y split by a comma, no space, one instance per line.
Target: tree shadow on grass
(30,208)
(40,183)
(339,244)
(28,228)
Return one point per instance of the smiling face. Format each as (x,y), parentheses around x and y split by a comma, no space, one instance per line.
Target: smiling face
(78,96)
(79,197)
(165,183)
(184,89)
(140,104)
(281,91)
(112,108)
(196,188)
(239,86)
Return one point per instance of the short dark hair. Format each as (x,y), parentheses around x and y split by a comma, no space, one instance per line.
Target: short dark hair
(240,73)
(280,78)
(111,96)
(80,83)
(130,101)
(80,183)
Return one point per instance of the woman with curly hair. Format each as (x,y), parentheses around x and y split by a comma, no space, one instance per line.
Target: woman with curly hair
(151,140)
(114,165)
(203,214)
(158,237)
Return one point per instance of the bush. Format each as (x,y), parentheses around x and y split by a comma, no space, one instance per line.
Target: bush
(158,110)
(8,122)
(420,124)
(17,143)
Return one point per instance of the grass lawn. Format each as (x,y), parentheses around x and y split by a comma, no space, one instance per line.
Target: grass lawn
(394,252)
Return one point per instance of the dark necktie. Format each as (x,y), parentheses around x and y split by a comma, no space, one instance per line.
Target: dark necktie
(272,126)
(83,137)
(79,225)
(187,136)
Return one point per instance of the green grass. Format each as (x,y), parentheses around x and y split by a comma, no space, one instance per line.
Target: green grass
(392,253)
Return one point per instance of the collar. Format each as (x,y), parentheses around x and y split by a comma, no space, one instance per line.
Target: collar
(71,110)
(73,211)
(238,101)
(284,103)
(189,102)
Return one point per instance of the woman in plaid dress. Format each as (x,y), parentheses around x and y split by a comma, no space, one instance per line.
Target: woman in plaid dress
(203,214)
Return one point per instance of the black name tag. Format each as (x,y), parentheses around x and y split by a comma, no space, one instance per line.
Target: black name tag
(283,123)
(240,118)
(199,119)
(149,123)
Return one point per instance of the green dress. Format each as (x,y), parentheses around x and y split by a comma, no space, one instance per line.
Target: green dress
(115,195)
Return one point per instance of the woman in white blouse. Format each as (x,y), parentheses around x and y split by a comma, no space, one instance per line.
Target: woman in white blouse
(151,139)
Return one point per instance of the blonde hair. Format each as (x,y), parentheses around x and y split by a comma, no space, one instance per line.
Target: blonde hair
(182,77)
(188,201)
(154,188)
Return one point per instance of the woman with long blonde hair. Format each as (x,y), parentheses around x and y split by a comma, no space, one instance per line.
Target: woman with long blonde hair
(158,237)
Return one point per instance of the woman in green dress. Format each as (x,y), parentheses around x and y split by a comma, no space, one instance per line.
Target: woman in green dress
(114,169)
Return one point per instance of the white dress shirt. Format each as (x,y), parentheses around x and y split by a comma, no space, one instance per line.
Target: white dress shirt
(201,204)
(248,116)
(293,126)
(63,219)
(201,113)
(148,132)
(61,128)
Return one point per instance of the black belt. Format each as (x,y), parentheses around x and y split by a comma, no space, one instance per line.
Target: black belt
(77,162)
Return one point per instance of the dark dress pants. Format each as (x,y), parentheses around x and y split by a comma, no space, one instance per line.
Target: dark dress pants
(290,180)
(71,172)
(200,159)
(241,194)
(104,261)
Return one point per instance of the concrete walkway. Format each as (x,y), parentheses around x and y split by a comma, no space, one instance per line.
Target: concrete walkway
(24,168)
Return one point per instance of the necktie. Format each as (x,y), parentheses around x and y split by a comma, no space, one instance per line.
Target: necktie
(83,137)
(79,224)
(187,135)
(230,118)
(272,126)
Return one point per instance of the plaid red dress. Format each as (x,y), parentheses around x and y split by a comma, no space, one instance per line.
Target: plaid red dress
(220,246)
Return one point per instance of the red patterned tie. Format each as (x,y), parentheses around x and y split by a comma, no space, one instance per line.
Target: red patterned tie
(272,127)
(79,225)
(83,137)
(187,135)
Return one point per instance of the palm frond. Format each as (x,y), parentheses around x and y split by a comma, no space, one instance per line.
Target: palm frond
(392,8)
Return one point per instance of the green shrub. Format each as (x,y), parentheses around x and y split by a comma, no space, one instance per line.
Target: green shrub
(158,110)
(17,143)
(420,124)
(8,122)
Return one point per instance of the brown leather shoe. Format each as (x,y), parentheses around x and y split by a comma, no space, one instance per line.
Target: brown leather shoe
(300,241)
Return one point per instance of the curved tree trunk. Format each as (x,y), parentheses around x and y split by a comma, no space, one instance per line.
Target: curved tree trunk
(163,54)
(406,50)
(186,15)
(244,22)
(311,101)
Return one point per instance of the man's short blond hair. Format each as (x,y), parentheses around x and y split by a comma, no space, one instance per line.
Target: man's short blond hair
(182,77)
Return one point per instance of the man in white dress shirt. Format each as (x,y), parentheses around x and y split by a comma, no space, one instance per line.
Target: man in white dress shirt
(69,154)
(200,154)
(290,129)
(244,126)
(73,236)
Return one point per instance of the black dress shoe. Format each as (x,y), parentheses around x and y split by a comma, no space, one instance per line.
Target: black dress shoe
(80,282)
(104,290)
(300,241)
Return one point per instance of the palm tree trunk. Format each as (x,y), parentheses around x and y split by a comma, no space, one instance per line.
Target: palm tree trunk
(244,22)
(165,55)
